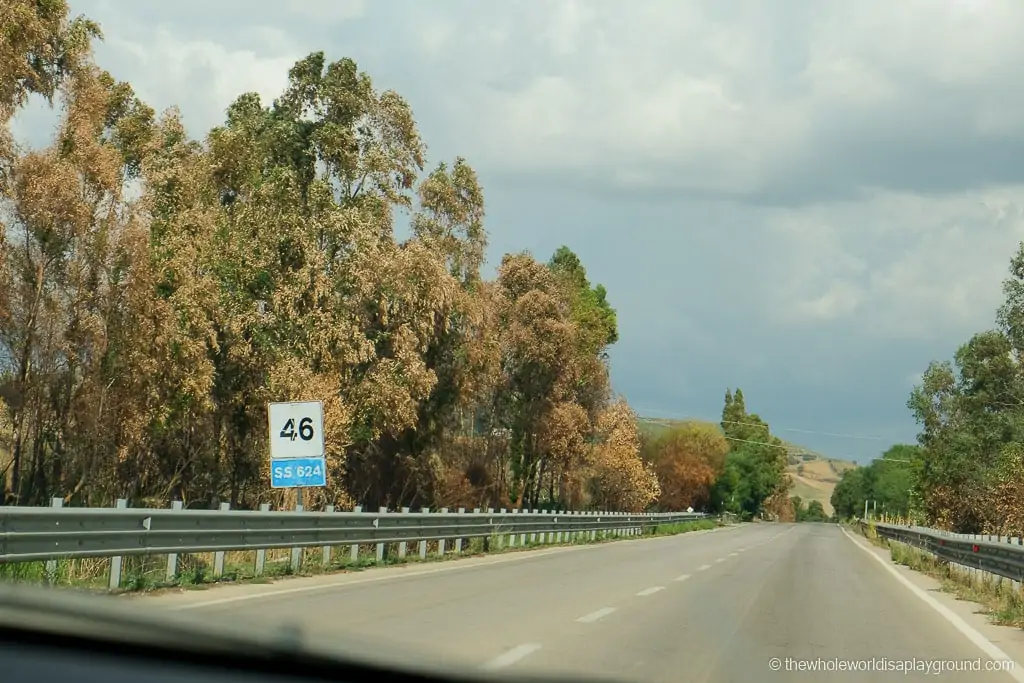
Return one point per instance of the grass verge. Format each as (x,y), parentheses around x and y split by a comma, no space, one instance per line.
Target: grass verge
(148,573)
(999,599)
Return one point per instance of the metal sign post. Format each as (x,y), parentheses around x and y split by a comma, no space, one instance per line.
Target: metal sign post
(297,445)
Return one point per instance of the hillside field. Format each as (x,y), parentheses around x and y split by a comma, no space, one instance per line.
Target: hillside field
(814,475)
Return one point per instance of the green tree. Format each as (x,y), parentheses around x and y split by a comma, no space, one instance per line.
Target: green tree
(886,483)
(815,512)
(753,479)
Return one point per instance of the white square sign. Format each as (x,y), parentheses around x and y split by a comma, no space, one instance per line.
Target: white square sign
(296,429)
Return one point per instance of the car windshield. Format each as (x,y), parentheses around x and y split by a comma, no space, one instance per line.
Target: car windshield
(664,341)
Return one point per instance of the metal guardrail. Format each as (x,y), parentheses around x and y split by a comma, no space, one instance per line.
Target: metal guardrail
(999,555)
(32,534)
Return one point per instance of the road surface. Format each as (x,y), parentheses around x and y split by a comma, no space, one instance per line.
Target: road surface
(729,605)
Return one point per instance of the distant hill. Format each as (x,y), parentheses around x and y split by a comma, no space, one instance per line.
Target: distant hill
(814,475)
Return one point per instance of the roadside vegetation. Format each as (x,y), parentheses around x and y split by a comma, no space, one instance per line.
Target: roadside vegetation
(885,485)
(966,473)
(159,286)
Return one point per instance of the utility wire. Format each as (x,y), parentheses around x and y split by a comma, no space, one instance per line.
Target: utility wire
(792,448)
(869,437)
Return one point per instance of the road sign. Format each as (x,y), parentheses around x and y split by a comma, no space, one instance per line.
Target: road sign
(296,429)
(290,473)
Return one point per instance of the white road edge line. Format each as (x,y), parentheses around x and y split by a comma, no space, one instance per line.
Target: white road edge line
(649,591)
(595,615)
(510,657)
(986,645)
(681,577)
(703,567)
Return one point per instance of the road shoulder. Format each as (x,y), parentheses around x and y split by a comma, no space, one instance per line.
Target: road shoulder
(222,593)
(1008,639)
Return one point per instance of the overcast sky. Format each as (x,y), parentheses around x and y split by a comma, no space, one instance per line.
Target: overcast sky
(806,199)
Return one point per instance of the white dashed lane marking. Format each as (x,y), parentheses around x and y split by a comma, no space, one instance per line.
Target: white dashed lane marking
(649,591)
(595,615)
(681,577)
(510,657)
(703,567)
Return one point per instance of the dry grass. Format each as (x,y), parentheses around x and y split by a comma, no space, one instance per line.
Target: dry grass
(999,599)
(812,489)
(820,470)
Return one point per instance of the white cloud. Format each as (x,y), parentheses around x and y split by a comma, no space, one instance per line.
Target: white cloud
(728,102)
(202,74)
(900,265)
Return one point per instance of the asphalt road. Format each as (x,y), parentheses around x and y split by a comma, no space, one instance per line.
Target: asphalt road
(712,607)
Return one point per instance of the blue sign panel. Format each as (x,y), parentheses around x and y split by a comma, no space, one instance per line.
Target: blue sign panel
(293,473)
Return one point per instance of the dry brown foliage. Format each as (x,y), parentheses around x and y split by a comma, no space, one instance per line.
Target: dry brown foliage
(688,460)
(157,291)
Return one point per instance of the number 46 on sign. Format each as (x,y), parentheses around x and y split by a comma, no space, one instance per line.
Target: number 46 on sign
(296,444)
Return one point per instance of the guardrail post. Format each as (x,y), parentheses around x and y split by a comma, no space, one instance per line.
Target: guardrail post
(440,543)
(477,511)
(512,537)
(296,562)
(382,510)
(423,544)
(593,532)
(326,550)
(458,541)
(51,565)
(402,546)
(172,558)
(501,537)
(218,557)
(533,534)
(487,539)
(261,553)
(115,562)
(355,546)
(557,534)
